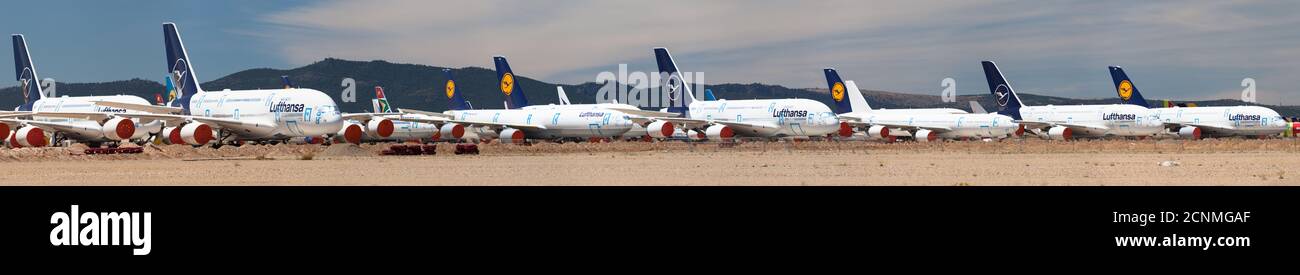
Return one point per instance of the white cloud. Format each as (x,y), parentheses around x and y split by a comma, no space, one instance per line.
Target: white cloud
(894,45)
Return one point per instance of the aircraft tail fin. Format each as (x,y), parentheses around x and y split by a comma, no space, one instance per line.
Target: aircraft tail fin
(976,108)
(25,73)
(708,95)
(381,101)
(839,92)
(1128,93)
(506,78)
(288,84)
(679,92)
(178,65)
(564,99)
(1008,101)
(454,100)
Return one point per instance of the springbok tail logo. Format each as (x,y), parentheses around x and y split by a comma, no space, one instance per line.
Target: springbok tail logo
(1125,90)
(837,91)
(382,100)
(507,83)
(450,88)
(1003,93)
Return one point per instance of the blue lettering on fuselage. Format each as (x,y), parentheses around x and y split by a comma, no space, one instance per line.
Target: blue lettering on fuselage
(1243,117)
(789,113)
(282,106)
(111,110)
(1118,116)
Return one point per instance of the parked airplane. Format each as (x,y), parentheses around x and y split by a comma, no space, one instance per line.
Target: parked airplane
(518,125)
(1198,122)
(66,118)
(851,107)
(1066,122)
(723,119)
(245,115)
(402,130)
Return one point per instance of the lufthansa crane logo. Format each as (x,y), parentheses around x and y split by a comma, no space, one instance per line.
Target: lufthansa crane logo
(837,91)
(451,88)
(507,83)
(1125,90)
(25,81)
(1003,93)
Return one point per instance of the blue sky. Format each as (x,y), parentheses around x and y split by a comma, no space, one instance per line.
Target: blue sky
(1172,49)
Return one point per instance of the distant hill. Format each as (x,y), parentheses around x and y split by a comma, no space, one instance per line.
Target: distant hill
(416,86)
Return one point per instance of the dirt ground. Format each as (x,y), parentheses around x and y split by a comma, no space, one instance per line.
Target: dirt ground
(1020,162)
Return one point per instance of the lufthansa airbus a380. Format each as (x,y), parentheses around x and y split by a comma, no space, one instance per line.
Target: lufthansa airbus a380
(1198,122)
(921,126)
(519,125)
(198,117)
(724,119)
(76,118)
(1066,122)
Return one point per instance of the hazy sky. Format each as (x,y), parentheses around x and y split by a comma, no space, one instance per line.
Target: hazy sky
(1172,49)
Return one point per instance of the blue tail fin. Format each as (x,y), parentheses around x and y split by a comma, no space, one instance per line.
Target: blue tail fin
(288,84)
(1128,93)
(679,92)
(178,65)
(26,74)
(838,91)
(171,90)
(506,79)
(454,101)
(708,95)
(1008,101)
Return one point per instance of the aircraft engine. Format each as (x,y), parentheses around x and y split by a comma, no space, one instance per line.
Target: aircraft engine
(118,128)
(878,132)
(196,133)
(452,131)
(660,129)
(1189,132)
(719,133)
(924,135)
(350,133)
(846,130)
(1060,133)
(379,127)
(511,135)
(30,136)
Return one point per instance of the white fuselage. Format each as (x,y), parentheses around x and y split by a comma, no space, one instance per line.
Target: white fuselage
(636,132)
(289,112)
(789,117)
(921,111)
(88,130)
(1118,119)
(1243,120)
(962,125)
(557,123)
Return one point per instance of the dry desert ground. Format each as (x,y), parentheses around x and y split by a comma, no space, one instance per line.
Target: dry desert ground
(1015,162)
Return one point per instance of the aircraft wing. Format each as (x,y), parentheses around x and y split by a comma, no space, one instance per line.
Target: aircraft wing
(427,113)
(1043,125)
(745,126)
(935,128)
(14,114)
(432,120)
(55,126)
(366,116)
(217,122)
(1202,125)
(76,115)
(141,107)
(496,125)
(645,113)
(685,122)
